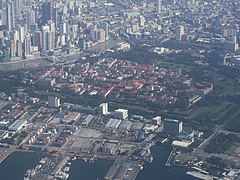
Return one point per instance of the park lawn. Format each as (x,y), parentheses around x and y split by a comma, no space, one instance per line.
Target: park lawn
(218,111)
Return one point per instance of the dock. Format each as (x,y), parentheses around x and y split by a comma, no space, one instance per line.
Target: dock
(200,175)
(59,166)
(6,154)
(169,160)
(113,170)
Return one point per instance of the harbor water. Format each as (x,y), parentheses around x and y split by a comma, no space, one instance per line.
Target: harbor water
(16,165)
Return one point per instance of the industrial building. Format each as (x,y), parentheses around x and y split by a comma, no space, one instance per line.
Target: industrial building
(113,123)
(109,148)
(17,125)
(137,126)
(125,126)
(121,113)
(172,126)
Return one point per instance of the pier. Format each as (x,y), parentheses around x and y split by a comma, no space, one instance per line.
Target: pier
(168,163)
(5,154)
(113,170)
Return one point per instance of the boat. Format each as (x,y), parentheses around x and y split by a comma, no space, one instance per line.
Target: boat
(149,159)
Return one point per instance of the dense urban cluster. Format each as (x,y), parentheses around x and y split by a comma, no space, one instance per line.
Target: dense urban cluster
(118,77)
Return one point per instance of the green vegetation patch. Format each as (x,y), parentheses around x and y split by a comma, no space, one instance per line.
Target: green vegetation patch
(221,143)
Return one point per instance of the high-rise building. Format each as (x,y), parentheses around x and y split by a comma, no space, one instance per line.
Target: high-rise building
(159,6)
(105,27)
(1,4)
(37,39)
(62,28)
(30,18)
(172,126)
(27,45)
(10,16)
(12,49)
(121,113)
(82,44)
(53,102)
(103,108)
(21,31)
(45,30)
(19,52)
(180,33)
(18,6)
(47,12)
(50,40)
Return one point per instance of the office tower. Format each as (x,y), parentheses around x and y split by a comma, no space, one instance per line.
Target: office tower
(30,18)
(159,6)
(135,27)
(15,36)
(1,4)
(180,33)
(21,31)
(1,20)
(50,40)
(10,16)
(62,28)
(45,30)
(82,44)
(103,108)
(53,102)
(121,113)
(12,49)
(105,27)
(47,12)
(101,35)
(27,44)
(172,126)
(141,20)
(18,6)
(34,27)
(19,48)
(37,39)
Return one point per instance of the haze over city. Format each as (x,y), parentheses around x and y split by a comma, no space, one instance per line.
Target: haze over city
(119,89)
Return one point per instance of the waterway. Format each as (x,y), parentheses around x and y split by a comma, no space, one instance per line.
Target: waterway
(16,165)
(158,170)
(89,171)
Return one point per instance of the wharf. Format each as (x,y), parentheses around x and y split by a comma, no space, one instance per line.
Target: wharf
(59,166)
(168,163)
(5,154)
(200,175)
(113,170)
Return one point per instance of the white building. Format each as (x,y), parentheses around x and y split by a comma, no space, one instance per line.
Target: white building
(53,102)
(121,113)
(103,108)
(17,125)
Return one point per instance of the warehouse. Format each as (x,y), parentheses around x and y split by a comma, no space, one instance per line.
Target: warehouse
(125,125)
(137,126)
(113,123)
(17,125)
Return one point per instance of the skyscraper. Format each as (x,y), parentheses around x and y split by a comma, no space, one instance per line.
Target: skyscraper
(30,18)
(105,27)
(180,33)
(27,44)
(47,12)
(159,6)
(10,19)
(18,6)
(45,30)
